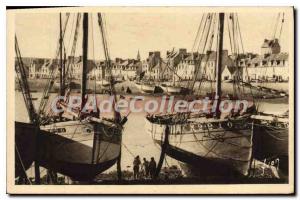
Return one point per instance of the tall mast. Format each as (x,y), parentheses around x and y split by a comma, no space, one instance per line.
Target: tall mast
(84,57)
(24,86)
(61,78)
(219,59)
(108,64)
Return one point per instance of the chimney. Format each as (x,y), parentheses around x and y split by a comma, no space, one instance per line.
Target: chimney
(157,53)
(182,51)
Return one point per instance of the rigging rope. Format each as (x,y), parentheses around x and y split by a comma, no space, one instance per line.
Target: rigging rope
(132,154)
(53,74)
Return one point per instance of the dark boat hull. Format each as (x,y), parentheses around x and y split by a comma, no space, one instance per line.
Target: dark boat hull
(25,146)
(80,151)
(271,144)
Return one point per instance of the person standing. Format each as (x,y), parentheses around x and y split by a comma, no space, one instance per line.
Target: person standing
(145,168)
(152,167)
(136,167)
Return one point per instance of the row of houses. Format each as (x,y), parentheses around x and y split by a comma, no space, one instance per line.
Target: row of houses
(184,65)
(271,64)
(180,65)
(123,68)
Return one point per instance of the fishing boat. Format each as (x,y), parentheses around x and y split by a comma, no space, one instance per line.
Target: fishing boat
(75,143)
(170,89)
(103,83)
(271,131)
(270,135)
(146,87)
(80,149)
(25,146)
(202,143)
(25,133)
(206,144)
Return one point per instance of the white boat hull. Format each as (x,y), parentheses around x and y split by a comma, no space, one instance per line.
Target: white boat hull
(145,87)
(171,89)
(103,83)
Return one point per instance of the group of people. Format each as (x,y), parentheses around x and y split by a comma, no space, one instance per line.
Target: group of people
(144,170)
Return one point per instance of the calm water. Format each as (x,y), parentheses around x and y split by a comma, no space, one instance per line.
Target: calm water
(134,136)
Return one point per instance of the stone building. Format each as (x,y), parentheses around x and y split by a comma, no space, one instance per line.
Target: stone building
(271,65)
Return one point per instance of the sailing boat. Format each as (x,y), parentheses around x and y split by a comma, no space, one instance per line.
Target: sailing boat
(204,144)
(84,145)
(271,131)
(25,133)
(271,139)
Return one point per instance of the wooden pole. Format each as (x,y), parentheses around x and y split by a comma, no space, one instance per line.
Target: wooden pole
(84,57)
(119,169)
(37,175)
(163,152)
(61,58)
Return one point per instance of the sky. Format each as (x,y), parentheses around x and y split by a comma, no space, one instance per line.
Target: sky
(131,32)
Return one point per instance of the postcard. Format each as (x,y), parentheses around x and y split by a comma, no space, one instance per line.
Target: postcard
(150,100)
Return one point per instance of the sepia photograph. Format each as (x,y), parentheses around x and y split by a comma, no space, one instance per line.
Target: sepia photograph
(150,100)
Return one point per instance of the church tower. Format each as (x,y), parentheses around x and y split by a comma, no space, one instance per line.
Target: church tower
(138,57)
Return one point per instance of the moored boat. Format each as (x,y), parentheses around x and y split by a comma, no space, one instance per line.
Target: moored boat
(79,149)
(146,87)
(25,147)
(76,143)
(202,142)
(103,83)
(212,144)
(270,136)
(171,89)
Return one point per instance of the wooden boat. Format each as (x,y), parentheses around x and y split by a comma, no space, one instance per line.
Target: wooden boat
(103,83)
(25,133)
(270,136)
(146,87)
(171,89)
(79,146)
(210,146)
(201,143)
(86,146)
(79,149)
(25,147)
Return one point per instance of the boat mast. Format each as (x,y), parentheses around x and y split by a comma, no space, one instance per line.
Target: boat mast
(61,75)
(84,57)
(117,116)
(219,61)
